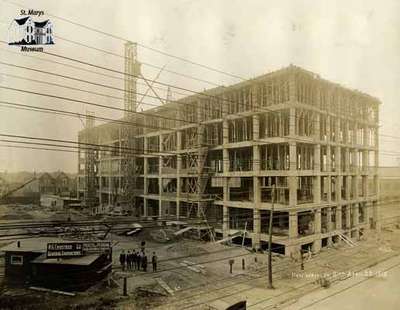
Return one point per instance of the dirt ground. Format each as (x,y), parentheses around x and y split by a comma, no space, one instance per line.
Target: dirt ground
(197,274)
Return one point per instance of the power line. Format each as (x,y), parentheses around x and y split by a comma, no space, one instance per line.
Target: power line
(86,70)
(94,104)
(141,62)
(32,108)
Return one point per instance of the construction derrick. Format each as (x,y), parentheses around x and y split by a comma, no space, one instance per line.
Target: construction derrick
(90,161)
(127,132)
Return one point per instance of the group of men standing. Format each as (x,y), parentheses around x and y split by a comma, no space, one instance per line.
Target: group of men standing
(136,260)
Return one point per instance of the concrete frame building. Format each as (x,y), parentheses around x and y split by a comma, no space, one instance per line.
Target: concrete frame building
(219,155)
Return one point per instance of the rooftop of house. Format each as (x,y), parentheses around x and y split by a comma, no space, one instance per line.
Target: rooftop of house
(22,21)
(41,24)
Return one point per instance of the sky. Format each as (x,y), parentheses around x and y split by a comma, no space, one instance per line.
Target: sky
(353,43)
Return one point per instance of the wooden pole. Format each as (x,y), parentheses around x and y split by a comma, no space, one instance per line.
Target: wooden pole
(244,233)
(125,291)
(271,213)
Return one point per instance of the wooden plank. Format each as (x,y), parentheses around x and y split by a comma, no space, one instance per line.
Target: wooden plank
(165,286)
(42,289)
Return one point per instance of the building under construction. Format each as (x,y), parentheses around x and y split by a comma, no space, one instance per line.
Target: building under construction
(287,140)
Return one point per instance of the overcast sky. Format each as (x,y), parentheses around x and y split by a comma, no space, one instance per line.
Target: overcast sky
(354,43)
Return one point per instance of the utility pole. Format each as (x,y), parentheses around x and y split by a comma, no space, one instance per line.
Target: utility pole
(244,233)
(271,214)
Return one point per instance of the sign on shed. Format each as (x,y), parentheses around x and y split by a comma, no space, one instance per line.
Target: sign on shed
(63,250)
(96,247)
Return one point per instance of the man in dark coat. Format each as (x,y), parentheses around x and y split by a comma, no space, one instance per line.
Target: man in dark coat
(134,260)
(122,259)
(129,260)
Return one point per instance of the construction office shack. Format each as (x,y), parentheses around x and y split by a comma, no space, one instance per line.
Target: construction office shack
(30,263)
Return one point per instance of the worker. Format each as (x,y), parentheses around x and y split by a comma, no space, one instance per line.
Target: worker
(139,260)
(144,262)
(134,259)
(129,261)
(122,259)
(154,261)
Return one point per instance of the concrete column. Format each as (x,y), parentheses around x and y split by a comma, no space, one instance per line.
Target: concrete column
(348,216)
(317,244)
(356,179)
(292,183)
(292,122)
(347,159)
(328,128)
(317,189)
(329,188)
(317,158)
(338,162)
(355,220)
(348,186)
(328,219)
(317,221)
(346,132)
(293,225)
(365,161)
(225,160)
(317,128)
(338,216)
(292,87)
(328,158)
(256,228)
(338,188)
(257,192)
(256,158)
(365,185)
(292,155)
(256,127)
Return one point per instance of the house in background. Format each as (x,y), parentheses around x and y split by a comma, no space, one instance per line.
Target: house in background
(63,184)
(47,184)
(28,187)
(26,31)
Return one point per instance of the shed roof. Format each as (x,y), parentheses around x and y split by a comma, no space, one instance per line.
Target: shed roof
(85,260)
(38,245)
